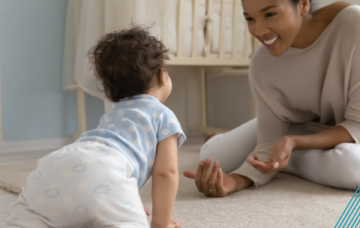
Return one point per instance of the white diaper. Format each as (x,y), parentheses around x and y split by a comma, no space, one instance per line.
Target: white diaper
(86,184)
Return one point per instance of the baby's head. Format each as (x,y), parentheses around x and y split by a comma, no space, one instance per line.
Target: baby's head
(131,62)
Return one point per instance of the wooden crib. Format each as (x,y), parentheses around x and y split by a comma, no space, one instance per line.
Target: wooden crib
(206,58)
(206,34)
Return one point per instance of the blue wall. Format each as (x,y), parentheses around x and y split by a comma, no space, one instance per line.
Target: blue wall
(34,105)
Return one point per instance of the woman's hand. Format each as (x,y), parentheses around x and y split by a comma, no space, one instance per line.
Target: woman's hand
(213,183)
(278,158)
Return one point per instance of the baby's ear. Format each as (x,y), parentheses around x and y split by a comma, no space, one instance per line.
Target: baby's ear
(162,78)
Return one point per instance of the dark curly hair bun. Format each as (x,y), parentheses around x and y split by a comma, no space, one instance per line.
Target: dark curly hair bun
(127,61)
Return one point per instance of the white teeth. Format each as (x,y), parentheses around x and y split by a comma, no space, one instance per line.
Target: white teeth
(269,42)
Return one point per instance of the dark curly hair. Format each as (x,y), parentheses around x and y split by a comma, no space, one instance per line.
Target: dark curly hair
(127,61)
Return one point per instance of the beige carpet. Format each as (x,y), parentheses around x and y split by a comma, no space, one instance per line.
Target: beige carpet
(287,201)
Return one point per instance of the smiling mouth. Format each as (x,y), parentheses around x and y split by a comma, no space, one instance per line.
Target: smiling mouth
(269,42)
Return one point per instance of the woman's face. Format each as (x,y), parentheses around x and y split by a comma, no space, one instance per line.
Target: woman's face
(275,23)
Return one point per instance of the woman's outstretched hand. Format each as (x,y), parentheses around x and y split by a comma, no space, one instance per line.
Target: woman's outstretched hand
(213,183)
(278,158)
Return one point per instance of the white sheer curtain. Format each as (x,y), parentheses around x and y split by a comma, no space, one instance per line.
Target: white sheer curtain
(89,20)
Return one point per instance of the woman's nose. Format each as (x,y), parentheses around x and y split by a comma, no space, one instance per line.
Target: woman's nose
(261,29)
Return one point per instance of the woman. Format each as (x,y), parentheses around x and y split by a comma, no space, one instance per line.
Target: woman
(306,83)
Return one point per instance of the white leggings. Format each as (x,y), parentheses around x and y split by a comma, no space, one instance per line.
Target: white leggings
(338,167)
(82,185)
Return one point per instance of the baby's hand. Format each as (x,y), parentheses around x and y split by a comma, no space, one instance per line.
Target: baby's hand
(174,224)
(147,211)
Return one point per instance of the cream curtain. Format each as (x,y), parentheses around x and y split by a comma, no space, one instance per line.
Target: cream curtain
(88,20)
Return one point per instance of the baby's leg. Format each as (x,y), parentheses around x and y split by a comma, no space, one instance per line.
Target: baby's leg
(81,184)
(21,216)
(121,208)
(338,167)
(232,148)
(118,203)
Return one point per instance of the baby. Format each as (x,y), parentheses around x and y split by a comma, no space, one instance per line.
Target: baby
(95,181)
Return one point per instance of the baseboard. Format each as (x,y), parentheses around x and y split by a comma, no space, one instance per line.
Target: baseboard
(29,150)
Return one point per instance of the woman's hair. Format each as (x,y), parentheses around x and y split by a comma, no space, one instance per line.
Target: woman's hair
(127,61)
(296,2)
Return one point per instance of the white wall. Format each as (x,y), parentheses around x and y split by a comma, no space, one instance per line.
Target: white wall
(0,112)
(33,103)
(228,99)
(184,99)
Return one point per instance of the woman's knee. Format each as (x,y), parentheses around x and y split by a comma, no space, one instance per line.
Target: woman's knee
(210,148)
(350,151)
(242,139)
(349,164)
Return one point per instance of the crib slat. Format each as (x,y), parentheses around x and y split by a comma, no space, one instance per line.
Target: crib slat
(248,42)
(180,29)
(209,26)
(202,91)
(164,35)
(195,27)
(235,30)
(222,29)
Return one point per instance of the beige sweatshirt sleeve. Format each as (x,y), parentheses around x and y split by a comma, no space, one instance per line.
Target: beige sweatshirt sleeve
(352,111)
(270,126)
(270,129)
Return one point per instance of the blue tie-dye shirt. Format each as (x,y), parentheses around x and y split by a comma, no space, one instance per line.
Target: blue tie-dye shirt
(134,126)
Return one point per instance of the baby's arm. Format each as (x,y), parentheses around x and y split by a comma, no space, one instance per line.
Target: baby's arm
(165,180)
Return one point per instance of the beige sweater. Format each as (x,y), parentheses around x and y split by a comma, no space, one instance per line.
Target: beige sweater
(316,87)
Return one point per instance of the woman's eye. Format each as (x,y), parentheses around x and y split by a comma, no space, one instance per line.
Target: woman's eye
(270,14)
(249,19)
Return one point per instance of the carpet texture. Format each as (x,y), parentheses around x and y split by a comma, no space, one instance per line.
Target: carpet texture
(287,201)
(13,176)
